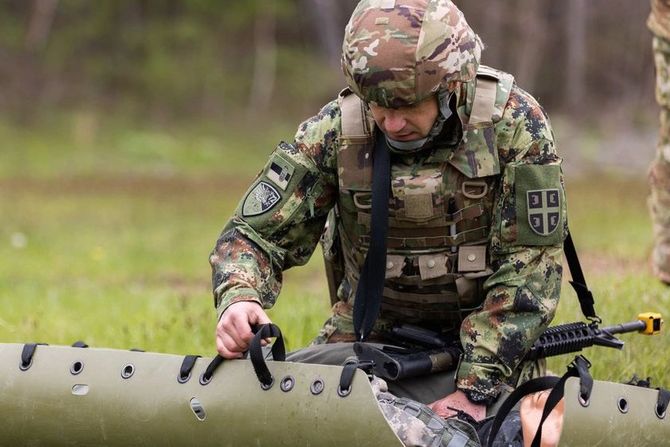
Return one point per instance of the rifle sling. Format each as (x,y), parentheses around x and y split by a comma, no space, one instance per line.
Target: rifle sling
(371,284)
(578,282)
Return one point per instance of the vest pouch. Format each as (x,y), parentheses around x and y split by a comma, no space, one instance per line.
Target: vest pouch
(471,258)
(473,270)
(418,208)
(432,266)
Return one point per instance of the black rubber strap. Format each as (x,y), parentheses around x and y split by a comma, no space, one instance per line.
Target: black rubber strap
(79,344)
(662,402)
(371,282)
(347,376)
(256,351)
(586,301)
(530,387)
(27,355)
(211,368)
(186,367)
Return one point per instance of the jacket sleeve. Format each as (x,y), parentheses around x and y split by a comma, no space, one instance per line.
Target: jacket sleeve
(529,226)
(280,219)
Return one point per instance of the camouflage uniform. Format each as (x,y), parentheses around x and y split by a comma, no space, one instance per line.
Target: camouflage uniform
(476,220)
(659,172)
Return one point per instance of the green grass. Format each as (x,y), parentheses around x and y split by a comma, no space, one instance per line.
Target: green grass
(105,236)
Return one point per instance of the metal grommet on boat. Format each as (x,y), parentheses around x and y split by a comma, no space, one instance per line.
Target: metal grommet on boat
(266,387)
(25,366)
(76,368)
(204,380)
(287,384)
(584,401)
(343,393)
(622,405)
(182,379)
(127,371)
(317,387)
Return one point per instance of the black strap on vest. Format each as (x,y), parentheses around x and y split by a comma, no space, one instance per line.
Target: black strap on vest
(371,283)
(578,282)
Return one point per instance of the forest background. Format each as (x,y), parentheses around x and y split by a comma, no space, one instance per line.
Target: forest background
(131,128)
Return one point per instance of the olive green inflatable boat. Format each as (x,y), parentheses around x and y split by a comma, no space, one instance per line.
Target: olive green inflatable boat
(69,396)
(79,396)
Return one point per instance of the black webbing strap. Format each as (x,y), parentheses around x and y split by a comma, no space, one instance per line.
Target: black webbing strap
(578,368)
(578,282)
(662,402)
(530,387)
(256,352)
(186,367)
(209,372)
(371,282)
(347,377)
(27,355)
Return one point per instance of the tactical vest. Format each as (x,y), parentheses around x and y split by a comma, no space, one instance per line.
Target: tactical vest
(439,210)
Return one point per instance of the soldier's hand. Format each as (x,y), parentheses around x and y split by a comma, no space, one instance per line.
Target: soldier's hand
(459,401)
(233,332)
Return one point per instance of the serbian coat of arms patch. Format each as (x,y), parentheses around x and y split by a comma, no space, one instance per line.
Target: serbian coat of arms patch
(260,199)
(544,210)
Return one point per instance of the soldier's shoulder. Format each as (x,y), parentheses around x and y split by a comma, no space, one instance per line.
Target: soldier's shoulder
(325,123)
(318,137)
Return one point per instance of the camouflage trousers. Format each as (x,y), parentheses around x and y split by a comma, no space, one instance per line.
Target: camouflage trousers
(659,171)
(418,426)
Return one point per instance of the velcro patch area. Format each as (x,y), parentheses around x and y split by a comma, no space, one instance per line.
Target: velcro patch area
(540,204)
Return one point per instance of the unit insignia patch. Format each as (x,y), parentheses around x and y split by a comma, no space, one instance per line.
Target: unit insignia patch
(544,210)
(260,199)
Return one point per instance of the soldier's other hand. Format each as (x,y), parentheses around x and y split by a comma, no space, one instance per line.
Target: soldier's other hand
(459,401)
(233,332)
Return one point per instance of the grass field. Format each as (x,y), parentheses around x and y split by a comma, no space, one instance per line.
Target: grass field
(105,235)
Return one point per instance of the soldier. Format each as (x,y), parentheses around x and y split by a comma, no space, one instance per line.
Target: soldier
(444,195)
(659,171)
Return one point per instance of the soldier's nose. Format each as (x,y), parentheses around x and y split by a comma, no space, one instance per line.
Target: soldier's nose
(394,122)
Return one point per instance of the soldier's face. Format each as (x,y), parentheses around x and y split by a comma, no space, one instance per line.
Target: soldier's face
(407,123)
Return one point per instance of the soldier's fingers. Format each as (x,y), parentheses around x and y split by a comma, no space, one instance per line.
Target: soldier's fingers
(224,351)
(259,317)
(231,348)
(241,330)
(226,333)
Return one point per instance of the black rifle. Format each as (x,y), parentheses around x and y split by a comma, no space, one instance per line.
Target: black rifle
(438,354)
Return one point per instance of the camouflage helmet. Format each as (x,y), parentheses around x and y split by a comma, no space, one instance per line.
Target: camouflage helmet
(398,52)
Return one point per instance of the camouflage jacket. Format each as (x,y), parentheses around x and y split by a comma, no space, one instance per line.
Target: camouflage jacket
(659,19)
(278,224)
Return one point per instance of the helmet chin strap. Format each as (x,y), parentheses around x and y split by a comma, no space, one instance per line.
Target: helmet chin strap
(408,147)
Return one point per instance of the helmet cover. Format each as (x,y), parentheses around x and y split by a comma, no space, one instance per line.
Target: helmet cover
(397,52)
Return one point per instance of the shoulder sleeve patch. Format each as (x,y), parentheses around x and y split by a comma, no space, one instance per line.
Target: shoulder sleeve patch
(540,204)
(276,184)
(261,198)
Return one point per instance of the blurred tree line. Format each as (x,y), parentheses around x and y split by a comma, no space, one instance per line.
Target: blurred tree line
(171,60)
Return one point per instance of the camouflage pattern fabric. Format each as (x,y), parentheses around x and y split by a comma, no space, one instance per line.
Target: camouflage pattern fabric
(659,172)
(659,19)
(399,52)
(520,296)
(418,426)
